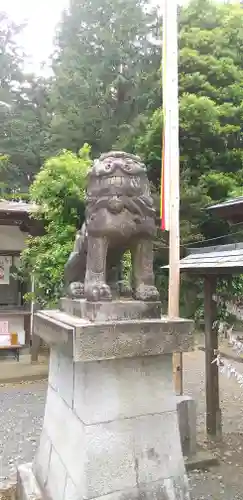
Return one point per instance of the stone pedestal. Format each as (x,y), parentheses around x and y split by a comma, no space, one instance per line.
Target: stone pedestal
(110,428)
(187,417)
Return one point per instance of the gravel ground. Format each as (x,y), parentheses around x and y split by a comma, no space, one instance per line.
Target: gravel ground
(21,414)
(224,482)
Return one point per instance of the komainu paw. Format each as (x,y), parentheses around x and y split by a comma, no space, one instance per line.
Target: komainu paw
(98,292)
(146,292)
(76,290)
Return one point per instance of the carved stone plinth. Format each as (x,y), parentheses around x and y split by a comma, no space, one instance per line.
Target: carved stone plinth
(111,311)
(110,429)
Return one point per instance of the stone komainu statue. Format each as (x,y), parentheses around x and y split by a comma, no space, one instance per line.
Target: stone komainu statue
(119,217)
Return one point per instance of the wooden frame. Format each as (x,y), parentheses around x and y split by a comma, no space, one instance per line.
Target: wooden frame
(210,273)
(18,214)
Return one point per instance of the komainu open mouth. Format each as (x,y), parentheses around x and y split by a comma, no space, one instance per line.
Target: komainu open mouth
(118,180)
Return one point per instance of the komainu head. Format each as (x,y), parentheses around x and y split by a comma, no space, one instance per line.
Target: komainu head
(118,193)
(118,173)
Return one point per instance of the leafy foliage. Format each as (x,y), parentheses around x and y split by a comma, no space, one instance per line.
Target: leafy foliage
(105,68)
(59,194)
(106,90)
(24,112)
(210,84)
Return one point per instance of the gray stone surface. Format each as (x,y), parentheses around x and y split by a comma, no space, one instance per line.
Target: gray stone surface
(55,331)
(57,476)
(110,424)
(27,486)
(158,453)
(187,417)
(21,418)
(169,489)
(119,216)
(66,433)
(166,489)
(118,432)
(131,453)
(110,458)
(116,389)
(86,341)
(130,339)
(71,492)
(111,311)
(42,458)
(61,373)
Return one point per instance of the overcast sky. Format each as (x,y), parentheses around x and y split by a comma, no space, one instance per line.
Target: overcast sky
(42,17)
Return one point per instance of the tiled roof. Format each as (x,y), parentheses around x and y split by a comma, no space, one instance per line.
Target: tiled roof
(214,261)
(228,203)
(16,206)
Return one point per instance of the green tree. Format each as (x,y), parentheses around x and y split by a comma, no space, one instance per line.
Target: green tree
(24,112)
(105,67)
(25,137)
(11,58)
(210,82)
(210,85)
(106,90)
(59,194)
(11,76)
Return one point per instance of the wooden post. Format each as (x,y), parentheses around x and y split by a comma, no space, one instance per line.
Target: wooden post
(36,340)
(27,330)
(35,348)
(172,165)
(213,413)
(178,372)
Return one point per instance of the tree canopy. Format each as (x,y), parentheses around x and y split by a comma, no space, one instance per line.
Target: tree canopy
(59,195)
(106,71)
(24,113)
(106,91)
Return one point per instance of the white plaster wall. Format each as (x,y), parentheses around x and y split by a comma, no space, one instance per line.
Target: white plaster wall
(11,238)
(15,325)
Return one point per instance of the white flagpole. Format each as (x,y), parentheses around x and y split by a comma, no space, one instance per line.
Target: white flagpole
(171,107)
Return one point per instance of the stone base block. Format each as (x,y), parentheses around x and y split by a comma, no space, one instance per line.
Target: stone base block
(110,429)
(117,310)
(202,459)
(85,340)
(168,489)
(27,486)
(187,418)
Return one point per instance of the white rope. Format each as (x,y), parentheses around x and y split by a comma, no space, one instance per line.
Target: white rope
(224,367)
(228,369)
(236,344)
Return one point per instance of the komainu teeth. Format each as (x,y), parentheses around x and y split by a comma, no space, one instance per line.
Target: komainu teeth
(118,181)
(135,182)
